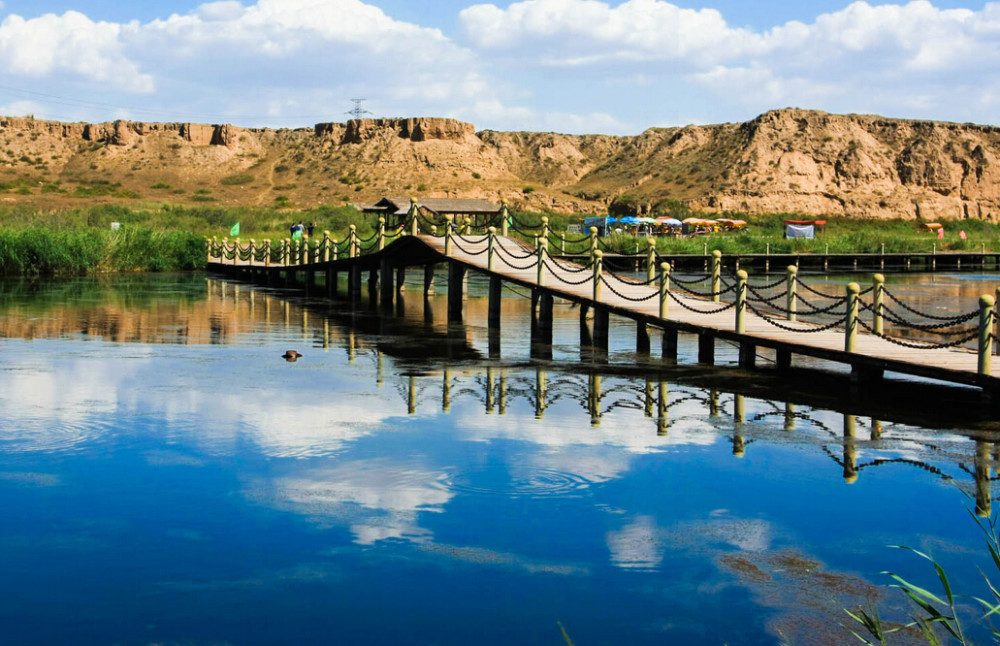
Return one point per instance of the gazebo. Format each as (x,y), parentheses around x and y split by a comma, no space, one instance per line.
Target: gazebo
(395,210)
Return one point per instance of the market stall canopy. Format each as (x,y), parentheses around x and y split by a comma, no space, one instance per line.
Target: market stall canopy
(933,226)
(629,219)
(670,222)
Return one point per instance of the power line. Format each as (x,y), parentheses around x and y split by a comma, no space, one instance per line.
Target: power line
(359,111)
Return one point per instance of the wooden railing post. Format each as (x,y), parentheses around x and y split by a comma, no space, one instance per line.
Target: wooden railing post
(878,296)
(504,217)
(354,241)
(285,251)
(598,269)
(326,246)
(267,252)
(414,217)
(593,242)
(986,305)
(381,234)
(664,289)
(741,302)
(304,250)
(492,233)
(792,300)
(545,233)
(851,323)
(996,320)
(252,245)
(334,251)
(716,275)
(447,235)
(651,261)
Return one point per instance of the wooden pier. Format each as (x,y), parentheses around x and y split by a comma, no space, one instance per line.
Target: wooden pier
(867,330)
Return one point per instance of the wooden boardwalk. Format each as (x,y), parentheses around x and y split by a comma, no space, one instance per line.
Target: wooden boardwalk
(516,263)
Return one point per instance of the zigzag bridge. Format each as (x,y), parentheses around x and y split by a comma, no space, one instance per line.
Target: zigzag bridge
(870,330)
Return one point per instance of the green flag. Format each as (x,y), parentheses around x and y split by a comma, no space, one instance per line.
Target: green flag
(235,231)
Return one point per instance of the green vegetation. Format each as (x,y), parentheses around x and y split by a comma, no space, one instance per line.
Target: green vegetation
(235,180)
(160,185)
(153,237)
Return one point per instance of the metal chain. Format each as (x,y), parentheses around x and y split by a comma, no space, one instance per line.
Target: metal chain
(930,328)
(631,299)
(697,311)
(514,255)
(817,293)
(811,330)
(913,311)
(920,346)
(454,241)
(587,279)
(707,294)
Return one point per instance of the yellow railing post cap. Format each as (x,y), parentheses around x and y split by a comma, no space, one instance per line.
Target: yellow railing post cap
(593,231)
(413,200)
(853,288)
(792,269)
(598,254)
(717,254)
(492,229)
(878,278)
(652,243)
(354,227)
(742,274)
(987,301)
(665,266)
(545,219)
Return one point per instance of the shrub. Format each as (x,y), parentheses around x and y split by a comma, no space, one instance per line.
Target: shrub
(234,180)
(527,190)
(160,185)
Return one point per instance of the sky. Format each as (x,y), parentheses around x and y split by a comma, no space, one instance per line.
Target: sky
(575,66)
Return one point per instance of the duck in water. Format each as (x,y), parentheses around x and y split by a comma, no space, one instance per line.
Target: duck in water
(291,355)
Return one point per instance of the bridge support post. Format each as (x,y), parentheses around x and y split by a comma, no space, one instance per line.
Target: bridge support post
(641,338)
(601,321)
(669,343)
(354,284)
(585,339)
(496,299)
(706,348)
(545,303)
(456,280)
(428,280)
(387,289)
(748,355)
(400,279)
(331,282)
(783,359)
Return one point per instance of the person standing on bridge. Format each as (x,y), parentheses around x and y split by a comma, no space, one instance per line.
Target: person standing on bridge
(310,229)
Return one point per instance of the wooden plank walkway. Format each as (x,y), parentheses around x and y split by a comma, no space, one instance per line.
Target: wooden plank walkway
(641,302)
(516,262)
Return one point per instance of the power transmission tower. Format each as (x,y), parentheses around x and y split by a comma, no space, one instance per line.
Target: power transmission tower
(359,111)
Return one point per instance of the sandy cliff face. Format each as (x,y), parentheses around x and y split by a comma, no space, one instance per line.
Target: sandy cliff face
(783,161)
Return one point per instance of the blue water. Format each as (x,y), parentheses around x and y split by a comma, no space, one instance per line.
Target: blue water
(165,477)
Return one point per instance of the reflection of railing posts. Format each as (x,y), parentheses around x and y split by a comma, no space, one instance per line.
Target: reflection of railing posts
(350,345)
(446,391)
(381,234)
(649,399)
(741,302)
(353,241)
(491,244)
(541,392)
(326,335)
(876,433)
(983,475)
(789,416)
(664,289)
(598,266)
(490,391)
(851,322)
(792,301)
(716,275)
(593,242)
(878,289)
(986,305)
(713,403)
(447,235)
(651,261)
(411,396)
(594,400)
(739,417)
(850,449)
(661,421)
(379,368)
(502,403)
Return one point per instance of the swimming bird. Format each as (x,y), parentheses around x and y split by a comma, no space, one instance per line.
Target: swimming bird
(290,355)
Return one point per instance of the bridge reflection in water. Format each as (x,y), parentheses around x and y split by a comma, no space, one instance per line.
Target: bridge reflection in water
(439,367)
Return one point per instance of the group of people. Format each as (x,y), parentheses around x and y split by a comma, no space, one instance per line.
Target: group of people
(299,229)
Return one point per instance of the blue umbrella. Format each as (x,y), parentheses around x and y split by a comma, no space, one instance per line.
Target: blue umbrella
(628,219)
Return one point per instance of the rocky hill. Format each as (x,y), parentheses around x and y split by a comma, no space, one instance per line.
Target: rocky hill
(793,161)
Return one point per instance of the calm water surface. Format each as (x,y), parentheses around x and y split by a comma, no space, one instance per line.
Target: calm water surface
(166,477)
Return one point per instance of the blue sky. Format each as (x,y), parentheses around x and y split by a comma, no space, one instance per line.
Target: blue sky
(564,65)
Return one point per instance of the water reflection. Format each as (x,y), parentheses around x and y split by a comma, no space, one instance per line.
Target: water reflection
(630,501)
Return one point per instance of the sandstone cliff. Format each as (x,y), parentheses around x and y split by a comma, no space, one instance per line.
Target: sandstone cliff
(793,161)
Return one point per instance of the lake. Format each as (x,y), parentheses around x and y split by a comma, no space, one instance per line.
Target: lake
(167,477)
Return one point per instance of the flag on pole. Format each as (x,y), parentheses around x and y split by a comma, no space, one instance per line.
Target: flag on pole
(235,231)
